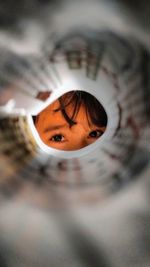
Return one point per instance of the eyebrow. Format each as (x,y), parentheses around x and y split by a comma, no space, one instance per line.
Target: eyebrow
(53,128)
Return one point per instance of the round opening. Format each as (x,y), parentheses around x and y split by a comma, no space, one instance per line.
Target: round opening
(72,122)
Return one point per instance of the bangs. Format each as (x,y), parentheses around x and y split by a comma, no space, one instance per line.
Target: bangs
(94,110)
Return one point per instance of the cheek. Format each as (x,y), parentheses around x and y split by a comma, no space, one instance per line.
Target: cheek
(39,124)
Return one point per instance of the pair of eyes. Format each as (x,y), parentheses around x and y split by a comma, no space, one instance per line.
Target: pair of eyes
(60,138)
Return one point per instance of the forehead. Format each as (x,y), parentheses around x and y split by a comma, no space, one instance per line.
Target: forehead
(54,116)
(51,108)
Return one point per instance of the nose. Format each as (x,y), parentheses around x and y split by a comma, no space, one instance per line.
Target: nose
(78,136)
(79,143)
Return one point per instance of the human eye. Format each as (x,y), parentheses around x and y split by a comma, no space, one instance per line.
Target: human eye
(57,138)
(95,134)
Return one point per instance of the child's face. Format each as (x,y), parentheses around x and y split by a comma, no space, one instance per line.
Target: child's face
(56,132)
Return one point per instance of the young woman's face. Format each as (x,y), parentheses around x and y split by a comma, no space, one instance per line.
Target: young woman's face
(55,131)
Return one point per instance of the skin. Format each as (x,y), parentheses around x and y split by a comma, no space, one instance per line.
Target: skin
(55,131)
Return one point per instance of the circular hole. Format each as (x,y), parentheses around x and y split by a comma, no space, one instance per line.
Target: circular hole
(72,122)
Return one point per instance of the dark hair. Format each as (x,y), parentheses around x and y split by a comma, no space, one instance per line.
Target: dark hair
(94,110)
